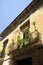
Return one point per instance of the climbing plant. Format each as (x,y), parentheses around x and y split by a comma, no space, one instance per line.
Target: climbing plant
(34,23)
(24,41)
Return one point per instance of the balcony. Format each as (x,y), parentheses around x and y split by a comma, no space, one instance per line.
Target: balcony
(32,40)
(24,44)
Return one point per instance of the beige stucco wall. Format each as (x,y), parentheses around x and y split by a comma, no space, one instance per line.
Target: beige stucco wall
(1,46)
(12,35)
(37,16)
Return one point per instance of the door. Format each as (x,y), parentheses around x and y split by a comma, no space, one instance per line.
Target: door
(27,61)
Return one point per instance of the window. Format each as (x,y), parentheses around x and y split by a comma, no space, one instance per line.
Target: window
(25,28)
(25,34)
(25,25)
(5,43)
(4,46)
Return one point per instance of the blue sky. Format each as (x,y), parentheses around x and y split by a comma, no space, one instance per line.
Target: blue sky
(9,10)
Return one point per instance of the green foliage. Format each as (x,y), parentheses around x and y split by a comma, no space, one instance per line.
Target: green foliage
(34,23)
(11,44)
(19,42)
(25,41)
(18,38)
(22,42)
(2,52)
(28,33)
(36,31)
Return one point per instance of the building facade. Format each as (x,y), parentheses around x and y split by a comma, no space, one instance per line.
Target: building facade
(22,40)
